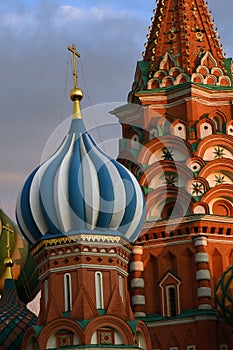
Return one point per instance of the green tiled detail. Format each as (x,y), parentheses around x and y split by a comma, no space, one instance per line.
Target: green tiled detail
(101,312)
(144,68)
(133,325)
(38,329)
(83,323)
(227,65)
(66,314)
(173,87)
(184,314)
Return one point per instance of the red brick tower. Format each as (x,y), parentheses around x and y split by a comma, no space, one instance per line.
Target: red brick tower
(180,147)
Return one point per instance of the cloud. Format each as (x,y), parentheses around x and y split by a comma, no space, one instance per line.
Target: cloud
(16,21)
(66,14)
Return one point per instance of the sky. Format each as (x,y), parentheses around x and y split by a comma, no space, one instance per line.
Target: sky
(36,73)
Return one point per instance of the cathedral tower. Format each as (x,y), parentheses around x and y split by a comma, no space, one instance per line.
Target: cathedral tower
(178,141)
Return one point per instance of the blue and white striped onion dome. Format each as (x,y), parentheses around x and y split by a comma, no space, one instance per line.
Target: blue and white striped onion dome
(80,189)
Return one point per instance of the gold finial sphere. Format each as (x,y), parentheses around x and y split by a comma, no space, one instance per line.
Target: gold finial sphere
(76,94)
(9,262)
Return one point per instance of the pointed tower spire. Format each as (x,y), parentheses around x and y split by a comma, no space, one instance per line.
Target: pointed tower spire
(184,29)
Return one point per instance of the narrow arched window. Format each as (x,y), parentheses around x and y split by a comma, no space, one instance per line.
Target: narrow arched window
(99,290)
(67,292)
(206,130)
(166,128)
(135,142)
(46,292)
(171,301)
(218,123)
(121,287)
(170,292)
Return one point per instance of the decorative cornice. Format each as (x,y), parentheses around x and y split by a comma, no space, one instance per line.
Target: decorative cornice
(80,238)
(188,219)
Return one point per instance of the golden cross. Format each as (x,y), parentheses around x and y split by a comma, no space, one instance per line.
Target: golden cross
(75,53)
(8,247)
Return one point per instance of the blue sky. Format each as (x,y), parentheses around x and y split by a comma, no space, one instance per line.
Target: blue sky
(114,4)
(35,76)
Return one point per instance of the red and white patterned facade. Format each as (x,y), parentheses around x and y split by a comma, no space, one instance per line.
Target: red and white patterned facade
(177,140)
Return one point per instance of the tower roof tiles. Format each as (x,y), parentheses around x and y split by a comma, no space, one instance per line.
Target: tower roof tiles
(185,29)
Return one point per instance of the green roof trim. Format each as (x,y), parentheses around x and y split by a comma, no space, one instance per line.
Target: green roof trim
(147,190)
(66,314)
(144,68)
(184,314)
(37,329)
(144,166)
(227,64)
(133,325)
(135,152)
(140,131)
(83,323)
(194,146)
(170,88)
(101,312)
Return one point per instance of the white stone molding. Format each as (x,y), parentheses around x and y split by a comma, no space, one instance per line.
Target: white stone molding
(202,275)
(201,258)
(138,300)
(137,283)
(136,266)
(204,292)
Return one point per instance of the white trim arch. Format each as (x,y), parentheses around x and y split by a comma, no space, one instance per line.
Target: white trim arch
(121,288)
(99,290)
(170,303)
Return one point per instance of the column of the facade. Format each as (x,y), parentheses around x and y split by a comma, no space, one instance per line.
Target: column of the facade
(137,282)
(202,273)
